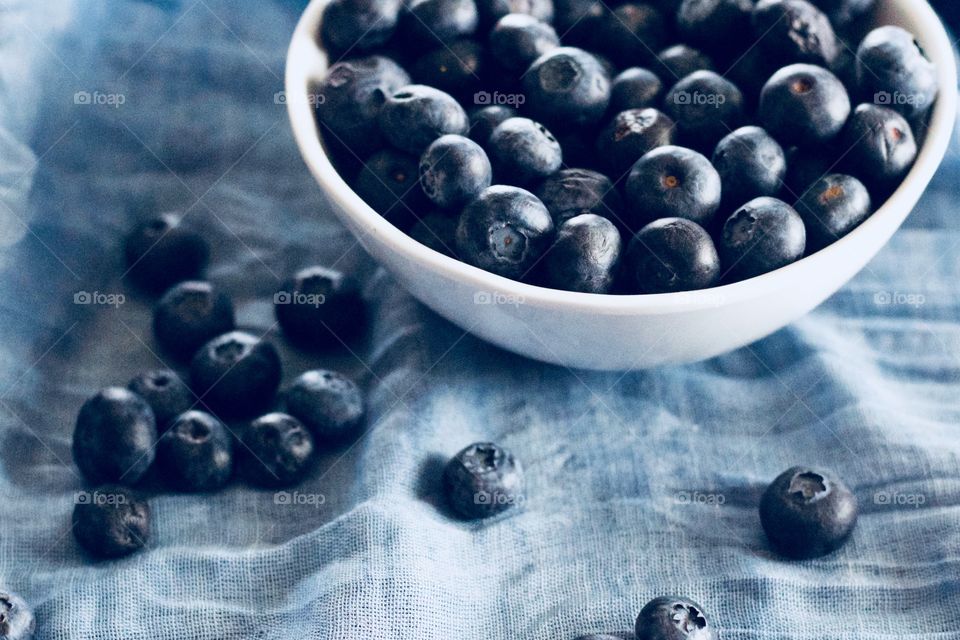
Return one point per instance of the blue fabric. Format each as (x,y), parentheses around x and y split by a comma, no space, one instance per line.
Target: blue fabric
(639,484)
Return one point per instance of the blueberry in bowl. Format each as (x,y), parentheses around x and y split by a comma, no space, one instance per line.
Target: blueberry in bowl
(673,182)
(762,236)
(671,255)
(523,152)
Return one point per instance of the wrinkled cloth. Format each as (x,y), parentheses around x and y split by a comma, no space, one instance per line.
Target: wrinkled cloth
(638,484)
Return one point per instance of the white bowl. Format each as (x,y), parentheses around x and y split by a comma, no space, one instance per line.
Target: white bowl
(620,332)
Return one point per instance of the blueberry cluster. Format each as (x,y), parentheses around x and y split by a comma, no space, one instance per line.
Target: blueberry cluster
(221,417)
(638,147)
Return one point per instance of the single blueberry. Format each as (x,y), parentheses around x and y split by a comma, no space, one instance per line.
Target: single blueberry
(706,107)
(114,437)
(630,135)
(493,10)
(353,93)
(518,39)
(166,393)
(804,105)
(669,255)
(431,23)
(388,183)
(505,231)
(635,88)
(236,374)
(161,252)
(627,34)
(416,115)
(678,61)
(328,403)
(572,192)
(832,208)
(458,68)
(807,513)
(16,618)
(585,256)
(751,164)
(673,618)
(195,453)
(484,120)
(893,71)
(276,451)
(358,25)
(483,480)
(762,235)
(321,307)
(523,151)
(721,27)
(792,31)
(568,87)
(190,314)
(453,171)
(111,522)
(843,13)
(673,182)
(881,145)
(438,231)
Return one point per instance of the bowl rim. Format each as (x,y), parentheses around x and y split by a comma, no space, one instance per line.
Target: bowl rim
(307,61)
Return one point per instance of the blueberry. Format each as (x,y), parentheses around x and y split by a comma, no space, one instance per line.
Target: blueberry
(807,513)
(673,182)
(416,115)
(353,93)
(321,307)
(161,252)
(114,437)
(719,26)
(843,13)
(518,39)
(437,231)
(430,23)
(16,618)
(629,33)
(277,451)
(195,453)
(111,522)
(635,88)
(358,25)
(505,231)
(457,68)
(568,87)
(493,10)
(669,255)
(751,164)
(236,374)
(523,151)
(328,403)
(572,192)
(585,256)
(762,235)
(484,120)
(678,61)
(630,135)
(792,31)
(388,183)
(673,618)
(165,392)
(893,71)
(706,107)
(804,105)
(190,314)
(453,171)
(483,480)
(833,207)
(881,146)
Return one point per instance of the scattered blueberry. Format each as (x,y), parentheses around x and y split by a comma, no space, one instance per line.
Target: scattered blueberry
(114,437)
(635,88)
(111,522)
(195,453)
(432,23)
(453,171)
(568,87)
(437,231)
(328,403)
(236,374)
(751,164)
(166,393)
(807,513)
(388,183)
(881,146)
(585,256)
(762,235)
(669,255)
(161,252)
(321,307)
(457,68)
(416,115)
(484,120)
(630,135)
(358,25)
(518,39)
(678,61)
(523,151)
(673,182)
(16,618)
(673,618)
(720,26)
(572,192)
(190,314)
(493,10)
(893,71)
(833,207)
(483,480)
(792,31)
(706,107)
(276,451)
(804,105)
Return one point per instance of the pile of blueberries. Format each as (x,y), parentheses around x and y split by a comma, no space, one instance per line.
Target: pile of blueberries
(633,147)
